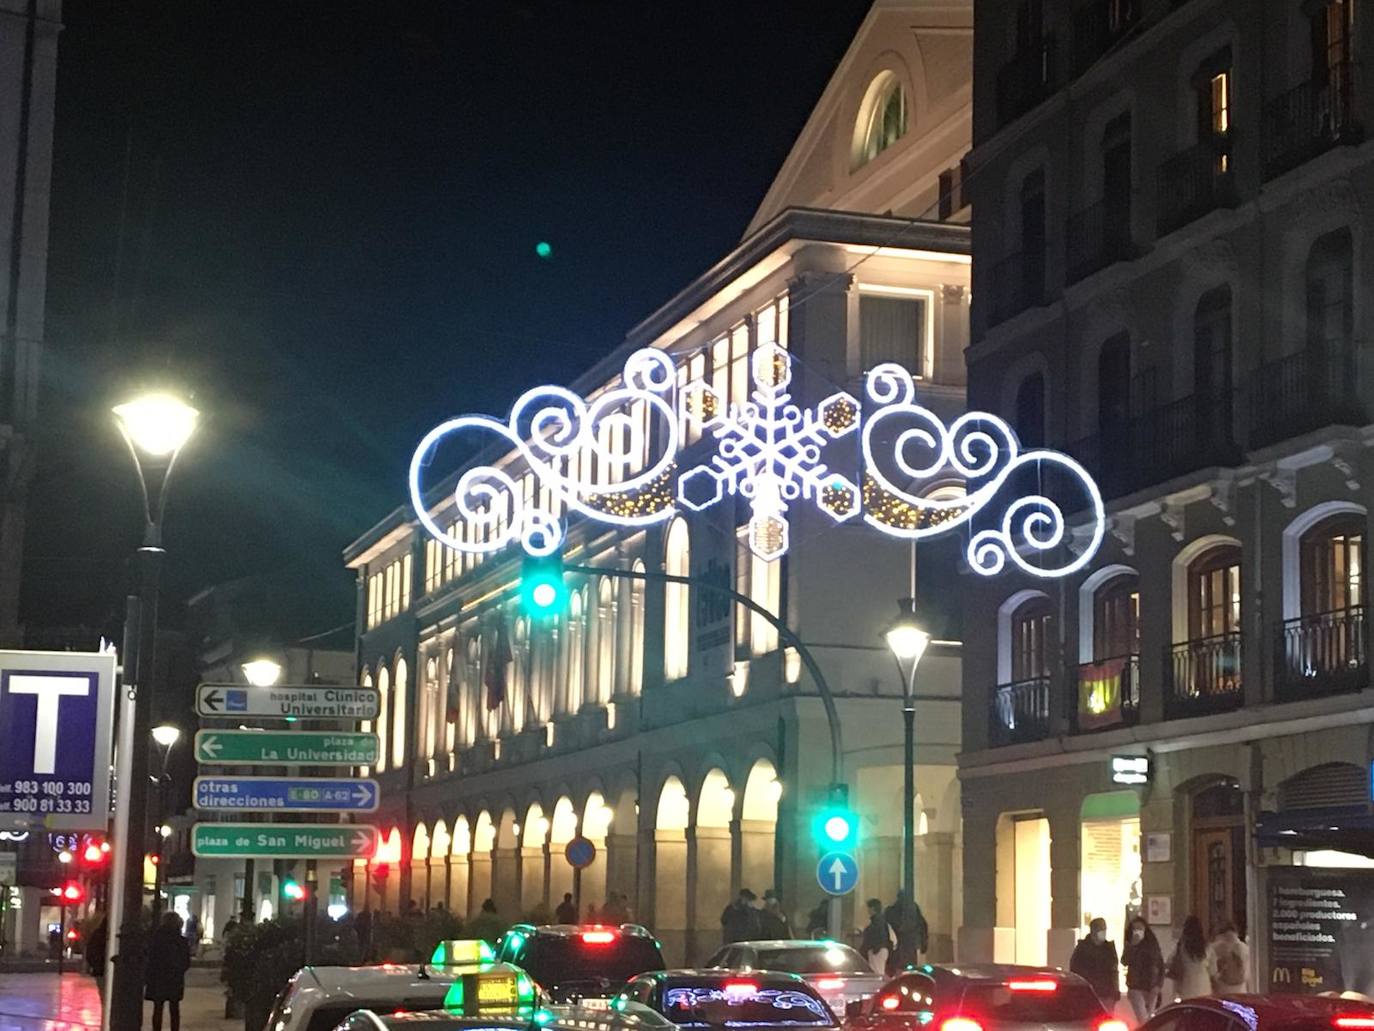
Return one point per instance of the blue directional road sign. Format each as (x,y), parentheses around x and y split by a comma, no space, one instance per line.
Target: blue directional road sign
(286,794)
(56,713)
(837,873)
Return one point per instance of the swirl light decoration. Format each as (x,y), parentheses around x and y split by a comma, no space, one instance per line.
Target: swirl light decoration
(550,427)
(901,437)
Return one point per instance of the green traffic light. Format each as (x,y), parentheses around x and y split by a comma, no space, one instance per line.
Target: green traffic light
(544,249)
(835,828)
(542,591)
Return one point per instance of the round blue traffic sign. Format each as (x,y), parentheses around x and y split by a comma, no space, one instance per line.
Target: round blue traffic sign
(579,852)
(837,873)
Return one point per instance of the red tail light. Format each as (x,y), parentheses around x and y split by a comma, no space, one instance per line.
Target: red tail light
(1353,1022)
(830,984)
(598,937)
(739,989)
(1043,985)
(1112,1024)
(960,1024)
(890,1002)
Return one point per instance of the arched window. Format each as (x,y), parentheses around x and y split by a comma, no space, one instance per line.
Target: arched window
(676,603)
(882,118)
(383,714)
(1032,640)
(636,670)
(398,716)
(429,717)
(365,681)
(1332,565)
(1330,311)
(1214,593)
(1212,362)
(1116,618)
(1114,386)
(1030,411)
(605,642)
(577,631)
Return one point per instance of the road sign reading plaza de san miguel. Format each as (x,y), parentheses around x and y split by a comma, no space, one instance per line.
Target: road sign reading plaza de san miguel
(246,746)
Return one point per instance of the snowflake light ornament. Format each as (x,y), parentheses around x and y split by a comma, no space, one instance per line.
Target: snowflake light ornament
(770,452)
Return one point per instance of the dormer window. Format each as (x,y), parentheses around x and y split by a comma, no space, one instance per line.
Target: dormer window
(882,118)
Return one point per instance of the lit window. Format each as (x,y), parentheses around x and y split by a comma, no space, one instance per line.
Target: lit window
(882,118)
(677,612)
(1220,88)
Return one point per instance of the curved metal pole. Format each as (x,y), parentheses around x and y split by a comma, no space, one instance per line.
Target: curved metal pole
(785,634)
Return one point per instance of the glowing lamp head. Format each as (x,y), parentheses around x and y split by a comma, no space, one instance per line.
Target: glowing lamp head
(906,638)
(157,424)
(166,735)
(64,857)
(262,672)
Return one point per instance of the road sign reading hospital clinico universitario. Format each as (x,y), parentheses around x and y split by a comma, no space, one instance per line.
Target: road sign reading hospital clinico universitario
(56,715)
(311,702)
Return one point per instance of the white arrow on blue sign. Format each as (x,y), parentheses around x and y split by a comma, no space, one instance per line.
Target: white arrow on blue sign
(44,697)
(285,794)
(837,873)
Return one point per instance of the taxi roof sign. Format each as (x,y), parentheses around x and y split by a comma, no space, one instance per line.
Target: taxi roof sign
(462,952)
(492,989)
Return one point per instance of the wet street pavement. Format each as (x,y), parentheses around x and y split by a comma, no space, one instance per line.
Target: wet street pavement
(71,1002)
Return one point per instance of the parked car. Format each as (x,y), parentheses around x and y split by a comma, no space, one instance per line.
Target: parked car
(760,1000)
(837,972)
(571,962)
(1264,1013)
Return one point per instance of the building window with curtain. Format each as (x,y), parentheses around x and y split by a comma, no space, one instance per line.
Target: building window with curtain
(892,329)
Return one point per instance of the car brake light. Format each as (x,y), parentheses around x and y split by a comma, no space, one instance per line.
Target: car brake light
(739,989)
(1043,985)
(830,984)
(890,1002)
(960,1024)
(1354,1023)
(598,937)
(1112,1024)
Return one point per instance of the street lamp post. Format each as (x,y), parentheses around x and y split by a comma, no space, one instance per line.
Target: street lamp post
(260,672)
(166,735)
(907,641)
(156,427)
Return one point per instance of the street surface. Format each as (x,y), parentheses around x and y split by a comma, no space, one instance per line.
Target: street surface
(47,1002)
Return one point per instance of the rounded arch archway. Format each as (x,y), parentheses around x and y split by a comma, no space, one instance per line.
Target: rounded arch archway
(597,819)
(419,868)
(562,829)
(398,712)
(1214,811)
(440,845)
(534,836)
(480,886)
(758,825)
(712,856)
(459,868)
(671,815)
(383,715)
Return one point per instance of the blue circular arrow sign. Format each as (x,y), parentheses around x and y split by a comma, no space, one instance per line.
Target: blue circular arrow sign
(837,873)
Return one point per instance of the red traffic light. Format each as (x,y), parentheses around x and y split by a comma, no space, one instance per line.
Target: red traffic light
(72,892)
(93,854)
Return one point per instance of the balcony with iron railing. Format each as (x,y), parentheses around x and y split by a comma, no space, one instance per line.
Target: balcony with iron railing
(1202,676)
(1108,694)
(1020,712)
(1323,654)
(1100,25)
(1316,387)
(1194,182)
(1310,119)
(1025,80)
(1018,283)
(1100,235)
(1160,444)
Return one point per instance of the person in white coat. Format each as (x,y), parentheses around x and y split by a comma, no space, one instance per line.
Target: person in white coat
(1190,967)
(1230,962)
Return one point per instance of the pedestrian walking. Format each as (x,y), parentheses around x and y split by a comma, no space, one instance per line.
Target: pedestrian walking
(909,924)
(1144,964)
(1230,962)
(1189,966)
(739,921)
(487,923)
(169,957)
(878,938)
(1094,960)
(773,922)
(566,913)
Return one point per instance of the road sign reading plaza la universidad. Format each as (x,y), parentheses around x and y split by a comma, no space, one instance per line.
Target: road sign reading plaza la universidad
(285,748)
(56,715)
(285,794)
(304,702)
(284,840)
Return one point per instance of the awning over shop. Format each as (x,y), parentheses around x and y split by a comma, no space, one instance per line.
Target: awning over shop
(1343,828)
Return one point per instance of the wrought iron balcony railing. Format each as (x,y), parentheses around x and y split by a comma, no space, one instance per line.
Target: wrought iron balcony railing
(1311,118)
(1020,712)
(1194,182)
(1203,676)
(1315,387)
(1018,283)
(1327,653)
(1108,694)
(1099,236)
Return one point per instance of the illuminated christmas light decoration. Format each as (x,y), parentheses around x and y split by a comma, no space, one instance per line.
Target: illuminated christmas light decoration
(551,427)
(980,449)
(770,452)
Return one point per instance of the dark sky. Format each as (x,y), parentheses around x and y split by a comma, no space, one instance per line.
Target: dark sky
(320,218)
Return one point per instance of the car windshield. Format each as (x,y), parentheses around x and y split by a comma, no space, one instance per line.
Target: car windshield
(1066,1001)
(741,1004)
(554,960)
(814,959)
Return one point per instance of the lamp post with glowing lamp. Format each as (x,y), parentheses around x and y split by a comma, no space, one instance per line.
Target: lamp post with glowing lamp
(156,427)
(907,641)
(166,735)
(262,672)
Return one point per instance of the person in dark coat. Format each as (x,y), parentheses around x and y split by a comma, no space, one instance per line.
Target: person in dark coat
(169,957)
(739,921)
(566,913)
(773,922)
(96,948)
(908,923)
(1094,960)
(1144,964)
(877,938)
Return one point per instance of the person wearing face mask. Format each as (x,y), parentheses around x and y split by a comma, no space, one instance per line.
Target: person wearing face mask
(1094,960)
(1144,964)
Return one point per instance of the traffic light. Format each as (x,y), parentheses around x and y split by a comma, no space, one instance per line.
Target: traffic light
(72,893)
(291,889)
(542,591)
(93,856)
(836,826)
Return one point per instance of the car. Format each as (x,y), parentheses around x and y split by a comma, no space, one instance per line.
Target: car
(1264,1013)
(984,997)
(725,998)
(837,972)
(558,1018)
(571,962)
(317,998)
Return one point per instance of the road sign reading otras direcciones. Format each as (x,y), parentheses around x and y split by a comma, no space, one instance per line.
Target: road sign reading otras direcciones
(303,703)
(837,873)
(285,794)
(284,840)
(285,748)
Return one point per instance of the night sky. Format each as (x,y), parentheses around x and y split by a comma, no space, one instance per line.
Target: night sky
(321,219)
